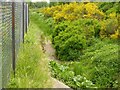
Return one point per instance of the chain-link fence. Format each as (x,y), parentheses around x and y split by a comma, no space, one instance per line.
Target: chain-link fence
(13,26)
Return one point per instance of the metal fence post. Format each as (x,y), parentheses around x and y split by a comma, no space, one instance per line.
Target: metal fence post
(13,37)
(0,46)
(23,21)
(26,17)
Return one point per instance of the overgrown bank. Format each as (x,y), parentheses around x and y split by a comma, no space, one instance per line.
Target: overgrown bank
(89,40)
(97,66)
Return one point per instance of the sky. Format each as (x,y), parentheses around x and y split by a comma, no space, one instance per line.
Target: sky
(25,0)
(48,1)
(40,0)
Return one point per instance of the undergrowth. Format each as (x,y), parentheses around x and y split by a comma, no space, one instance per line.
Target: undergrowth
(98,65)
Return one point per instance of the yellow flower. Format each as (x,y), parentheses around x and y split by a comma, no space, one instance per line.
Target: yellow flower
(112,15)
(73,10)
(116,35)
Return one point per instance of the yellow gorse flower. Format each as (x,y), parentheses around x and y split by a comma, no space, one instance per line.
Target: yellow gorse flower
(73,11)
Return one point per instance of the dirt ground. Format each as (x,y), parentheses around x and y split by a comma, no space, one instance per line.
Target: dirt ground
(50,52)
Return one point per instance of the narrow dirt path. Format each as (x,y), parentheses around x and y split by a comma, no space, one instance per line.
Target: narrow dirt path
(49,50)
(50,53)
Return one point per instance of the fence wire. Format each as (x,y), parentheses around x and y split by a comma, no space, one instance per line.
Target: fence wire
(6,41)
(18,28)
(6,34)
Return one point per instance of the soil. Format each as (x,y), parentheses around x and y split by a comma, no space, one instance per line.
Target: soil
(49,50)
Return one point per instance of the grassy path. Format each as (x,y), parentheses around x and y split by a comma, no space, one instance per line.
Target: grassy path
(32,66)
(48,50)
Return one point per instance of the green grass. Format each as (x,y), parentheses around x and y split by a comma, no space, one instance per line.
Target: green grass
(40,21)
(32,66)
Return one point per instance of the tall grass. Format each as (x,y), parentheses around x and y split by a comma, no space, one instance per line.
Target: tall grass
(31,66)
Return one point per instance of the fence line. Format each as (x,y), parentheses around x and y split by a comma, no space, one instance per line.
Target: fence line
(13,25)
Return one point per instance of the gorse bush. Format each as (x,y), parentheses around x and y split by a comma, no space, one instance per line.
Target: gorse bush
(73,11)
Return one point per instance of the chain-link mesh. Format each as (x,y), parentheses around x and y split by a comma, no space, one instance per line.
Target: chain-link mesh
(21,20)
(6,35)
(6,41)
(18,23)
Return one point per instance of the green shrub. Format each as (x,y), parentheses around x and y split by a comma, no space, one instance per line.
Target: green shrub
(99,64)
(109,7)
(50,22)
(69,45)
(71,38)
(59,28)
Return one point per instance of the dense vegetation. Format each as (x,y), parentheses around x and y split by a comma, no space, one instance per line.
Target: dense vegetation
(97,65)
(86,39)
(76,25)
